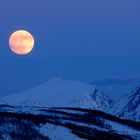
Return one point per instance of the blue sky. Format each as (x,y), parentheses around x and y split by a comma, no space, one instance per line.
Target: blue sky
(76,39)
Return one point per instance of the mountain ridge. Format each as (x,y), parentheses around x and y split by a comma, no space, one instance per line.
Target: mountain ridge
(61,93)
(129,106)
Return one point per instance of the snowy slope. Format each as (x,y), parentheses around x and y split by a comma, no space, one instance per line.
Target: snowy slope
(63,123)
(129,106)
(58,132)
(57,92)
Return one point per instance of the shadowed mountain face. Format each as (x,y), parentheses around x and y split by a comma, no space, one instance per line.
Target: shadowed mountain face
(129,106)
(31,123)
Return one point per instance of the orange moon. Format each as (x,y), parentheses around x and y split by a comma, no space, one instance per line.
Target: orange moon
(21,42)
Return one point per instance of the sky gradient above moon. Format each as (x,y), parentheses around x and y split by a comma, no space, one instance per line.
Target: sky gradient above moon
(75,39)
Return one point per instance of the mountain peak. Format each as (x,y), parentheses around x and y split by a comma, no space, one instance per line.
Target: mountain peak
(57,92)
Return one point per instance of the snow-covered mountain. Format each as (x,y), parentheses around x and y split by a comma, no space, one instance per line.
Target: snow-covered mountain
(129,106)
(63,109)
(57,92)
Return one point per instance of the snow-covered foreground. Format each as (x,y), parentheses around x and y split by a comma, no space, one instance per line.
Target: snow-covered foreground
(57,132)
(41,123)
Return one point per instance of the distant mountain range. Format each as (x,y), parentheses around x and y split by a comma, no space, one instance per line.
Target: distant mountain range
(57,92)
(116,88)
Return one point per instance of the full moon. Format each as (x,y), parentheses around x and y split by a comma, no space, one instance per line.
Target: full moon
(21,42)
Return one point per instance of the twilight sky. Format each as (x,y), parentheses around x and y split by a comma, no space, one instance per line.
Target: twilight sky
(75,39)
